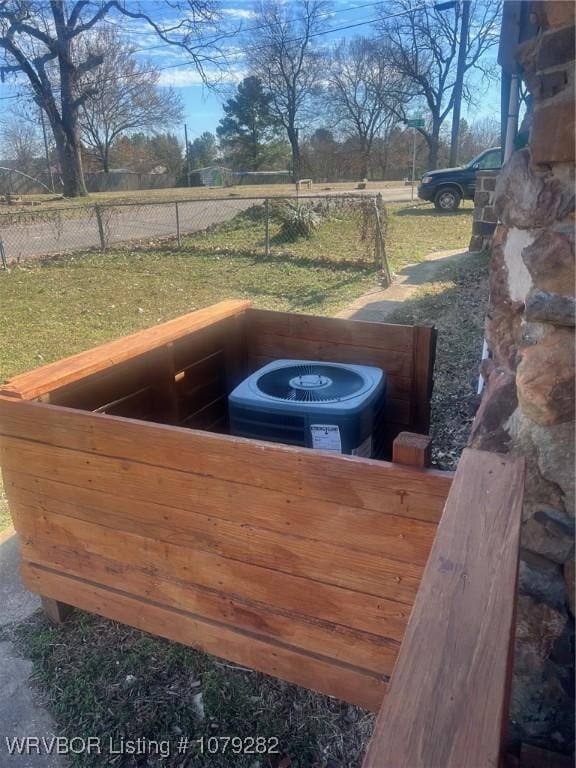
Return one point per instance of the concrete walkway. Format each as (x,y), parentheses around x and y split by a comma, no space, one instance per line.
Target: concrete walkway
(20,714)
(378,303)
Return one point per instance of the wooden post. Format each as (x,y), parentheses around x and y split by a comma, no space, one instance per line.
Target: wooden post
(423,353)
(177,225)
(100,227)
(412,449)
(56,611)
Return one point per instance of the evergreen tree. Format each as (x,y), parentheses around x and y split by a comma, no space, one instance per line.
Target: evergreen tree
(248,132)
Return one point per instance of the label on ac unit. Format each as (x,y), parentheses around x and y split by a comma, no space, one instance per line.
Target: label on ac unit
(364,449)
(326,437)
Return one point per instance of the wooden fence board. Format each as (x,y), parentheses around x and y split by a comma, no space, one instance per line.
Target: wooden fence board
(319,673)
(71,369)
(138,578)
(364,530)
(422,379)
(327,563)
(395,338)
(446,705)
(351,481)
(376,615)
(278,347)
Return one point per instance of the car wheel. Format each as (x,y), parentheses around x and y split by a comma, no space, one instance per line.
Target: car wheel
(447,199)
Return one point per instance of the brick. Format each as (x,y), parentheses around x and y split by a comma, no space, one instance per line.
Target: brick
(556,47)
(552,136)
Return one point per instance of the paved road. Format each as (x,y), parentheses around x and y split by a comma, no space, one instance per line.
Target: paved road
(58,234)
(20,713)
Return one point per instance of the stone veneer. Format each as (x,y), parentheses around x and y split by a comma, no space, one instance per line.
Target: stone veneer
(485,219)
(528,404)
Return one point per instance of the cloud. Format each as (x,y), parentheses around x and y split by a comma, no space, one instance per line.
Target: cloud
(238,13)
(189,76)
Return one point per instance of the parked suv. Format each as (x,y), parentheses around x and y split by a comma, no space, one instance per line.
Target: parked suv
(448,186)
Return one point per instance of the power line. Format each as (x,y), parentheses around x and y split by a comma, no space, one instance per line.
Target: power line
(210,59)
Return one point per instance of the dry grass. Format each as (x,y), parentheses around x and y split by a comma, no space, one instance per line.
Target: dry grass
(47,201)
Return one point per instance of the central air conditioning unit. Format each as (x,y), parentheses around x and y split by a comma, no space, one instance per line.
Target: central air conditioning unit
(327,406)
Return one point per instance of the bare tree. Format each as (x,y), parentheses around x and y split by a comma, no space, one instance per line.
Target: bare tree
(363,93)
(123,95)
(40,40)
(422,46)
(21,144)
(287,62)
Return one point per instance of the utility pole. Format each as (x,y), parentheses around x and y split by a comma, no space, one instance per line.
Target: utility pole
(459,83)
(414,123)
(187,155)
(413,163)
(48,166)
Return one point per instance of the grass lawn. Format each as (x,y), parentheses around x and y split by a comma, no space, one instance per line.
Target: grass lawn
(101,678)
(48,201)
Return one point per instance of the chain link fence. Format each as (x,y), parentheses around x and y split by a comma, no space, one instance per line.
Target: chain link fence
(343,228)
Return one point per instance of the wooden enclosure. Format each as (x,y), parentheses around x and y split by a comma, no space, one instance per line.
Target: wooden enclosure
(132,502)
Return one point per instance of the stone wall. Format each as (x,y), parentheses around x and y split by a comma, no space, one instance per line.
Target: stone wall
(528,405)
(484,222)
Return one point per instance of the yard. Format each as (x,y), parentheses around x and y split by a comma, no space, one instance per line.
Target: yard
(100,678)
(48,201)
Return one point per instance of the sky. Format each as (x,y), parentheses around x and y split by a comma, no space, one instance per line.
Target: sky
(202,104)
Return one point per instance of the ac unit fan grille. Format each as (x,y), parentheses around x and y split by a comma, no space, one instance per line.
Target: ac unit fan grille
(311,383)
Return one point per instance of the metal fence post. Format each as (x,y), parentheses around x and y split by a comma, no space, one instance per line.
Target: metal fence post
(3,256)
(100,227)
(380,249)
(267,225)
(177,225)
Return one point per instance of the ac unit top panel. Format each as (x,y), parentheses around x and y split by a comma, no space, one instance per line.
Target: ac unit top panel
(304,386)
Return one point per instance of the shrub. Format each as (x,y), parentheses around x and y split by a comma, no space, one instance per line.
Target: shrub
(296,221)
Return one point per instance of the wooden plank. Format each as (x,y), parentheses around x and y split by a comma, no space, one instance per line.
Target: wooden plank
(277,347)
(327,563)
(204,417)
(397,411)
(372,652)
(49,377)
(113,383)
(424,351)
(412,450)
(242,581)
(139,405)
(346,480)
(448,691)
(232,539)
(201,344)
(346,682)
(362,530)
(398,338)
